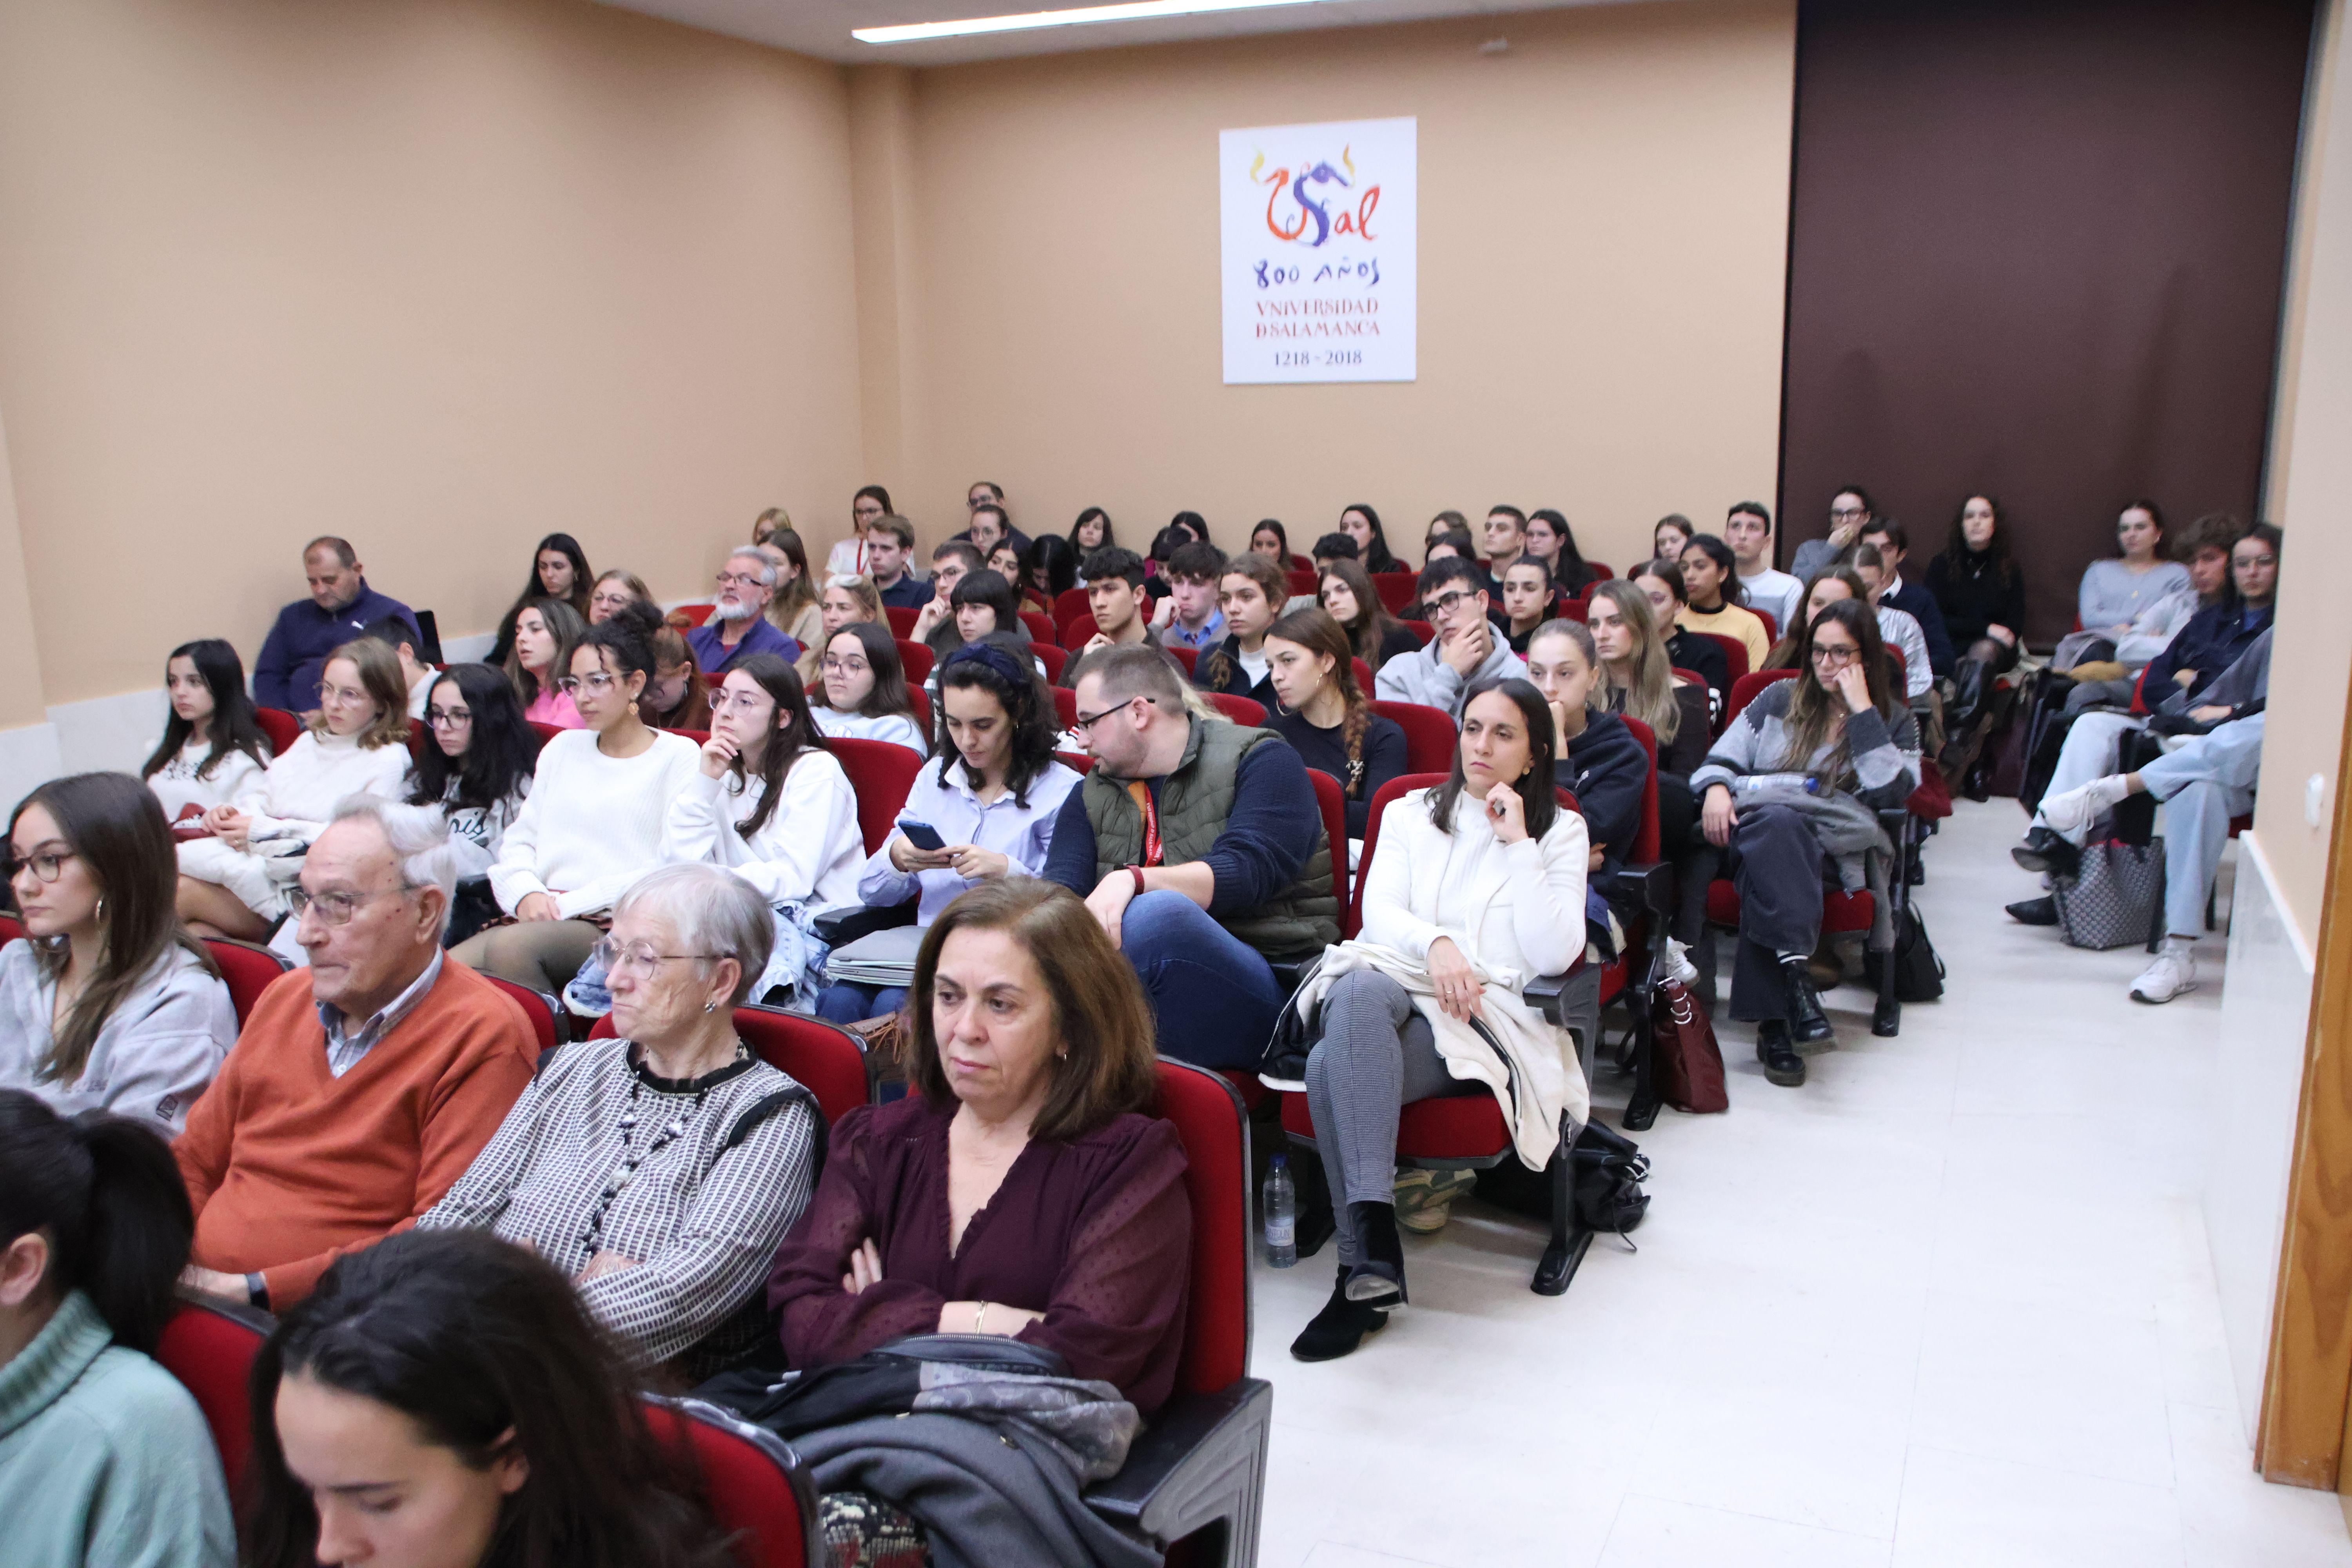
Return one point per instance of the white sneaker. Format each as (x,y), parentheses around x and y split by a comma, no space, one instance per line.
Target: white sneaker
(2071,812)
(2171,973)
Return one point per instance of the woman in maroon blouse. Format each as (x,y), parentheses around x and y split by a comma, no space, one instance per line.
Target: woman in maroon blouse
(1023,1188)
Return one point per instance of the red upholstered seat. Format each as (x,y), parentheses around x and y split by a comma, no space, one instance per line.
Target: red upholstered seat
(1771,623)
(901,618)
(1396,589)
(1040,626)
(1734,652)
(1422,629)
(1065,707)
(248,970)
(1841,912)
(1071,609)
(699,737)
(1240,709)
(756,1485)
(1601,572)
(1208,1118)
(1429,735)
(1744,688)
(824,1057)
(1187,657)
(1333,802)
(538,1007)
(1466,1128)
(1054,658)
(1301,582)
(209,1346)
(881,772)
(282,727)
(10,929)
(695,614)
(914,659)
(546,732)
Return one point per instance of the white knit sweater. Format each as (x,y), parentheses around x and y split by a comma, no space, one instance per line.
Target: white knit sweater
(592,823)
(810,850)
(237,782)
(299,791)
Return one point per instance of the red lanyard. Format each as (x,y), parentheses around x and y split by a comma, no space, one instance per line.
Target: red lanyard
(1141,794)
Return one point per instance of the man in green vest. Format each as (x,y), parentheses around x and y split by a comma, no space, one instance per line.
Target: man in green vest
(1199,846)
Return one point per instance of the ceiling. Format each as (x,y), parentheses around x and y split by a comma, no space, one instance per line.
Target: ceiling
(821,27)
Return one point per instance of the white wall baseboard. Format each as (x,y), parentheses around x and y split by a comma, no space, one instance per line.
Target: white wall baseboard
(28,759)
(110,733)
(2256,1098)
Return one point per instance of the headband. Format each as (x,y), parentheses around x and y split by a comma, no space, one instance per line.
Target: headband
(992,656)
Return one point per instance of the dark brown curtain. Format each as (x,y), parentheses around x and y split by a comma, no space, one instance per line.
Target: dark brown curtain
(2037,250)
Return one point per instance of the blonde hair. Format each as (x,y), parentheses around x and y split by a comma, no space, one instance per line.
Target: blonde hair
(380,678)
(1649,695)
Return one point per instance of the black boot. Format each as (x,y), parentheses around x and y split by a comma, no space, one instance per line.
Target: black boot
(1339,1327)
(2041,912)
(1379,1274)
(1807,1023)
(1968,696)
(2044,851)
(1782,1065)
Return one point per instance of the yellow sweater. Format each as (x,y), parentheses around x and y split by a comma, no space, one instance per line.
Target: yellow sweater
(1730,621)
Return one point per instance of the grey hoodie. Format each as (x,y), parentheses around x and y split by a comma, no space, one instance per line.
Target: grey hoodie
(1423,676)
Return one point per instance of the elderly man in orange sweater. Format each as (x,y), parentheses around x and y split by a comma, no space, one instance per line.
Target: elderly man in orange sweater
(359,1088)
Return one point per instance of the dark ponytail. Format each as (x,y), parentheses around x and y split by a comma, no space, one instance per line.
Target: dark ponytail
(108,1193)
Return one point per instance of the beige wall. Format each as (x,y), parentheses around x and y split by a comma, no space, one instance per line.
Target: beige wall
(2310,661)
(1602,242)
(441,275)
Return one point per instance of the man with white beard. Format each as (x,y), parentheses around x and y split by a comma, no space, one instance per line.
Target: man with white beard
(738,624)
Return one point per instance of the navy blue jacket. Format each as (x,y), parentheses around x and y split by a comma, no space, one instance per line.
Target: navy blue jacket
(908,592)
(2213,640)
(294,654)
(1606,769)
(1237,683)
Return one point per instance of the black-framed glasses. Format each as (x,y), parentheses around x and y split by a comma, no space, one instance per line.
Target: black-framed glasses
(46,865)
(449,717)
(336,909)
(1086,722)
(1831,656)
(1445,603)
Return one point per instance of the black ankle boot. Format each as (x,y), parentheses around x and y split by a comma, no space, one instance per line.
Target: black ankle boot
(1782,1065)
(1379,1274)
(2044,851)
(1339,1327)
(1807,1023)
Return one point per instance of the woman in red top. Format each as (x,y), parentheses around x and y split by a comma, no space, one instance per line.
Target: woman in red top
(1023,1188)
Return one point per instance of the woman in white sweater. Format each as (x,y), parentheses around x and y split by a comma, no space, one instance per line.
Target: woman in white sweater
(1476,888)
(233,882)
(213,750)
(771,803)
(593,823)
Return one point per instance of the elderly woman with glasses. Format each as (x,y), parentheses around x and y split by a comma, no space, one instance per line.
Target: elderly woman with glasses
(593,823)
(660,1169)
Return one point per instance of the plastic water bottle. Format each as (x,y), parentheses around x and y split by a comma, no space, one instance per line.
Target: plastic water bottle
(1281,1214)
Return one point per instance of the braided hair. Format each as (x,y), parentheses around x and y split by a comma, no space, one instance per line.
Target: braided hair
(1321,634)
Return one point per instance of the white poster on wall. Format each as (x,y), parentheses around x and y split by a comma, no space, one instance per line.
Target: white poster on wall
(1318,230)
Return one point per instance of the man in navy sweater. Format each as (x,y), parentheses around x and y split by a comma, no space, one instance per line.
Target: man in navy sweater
(341,608)
(1200,846)
(1912,598)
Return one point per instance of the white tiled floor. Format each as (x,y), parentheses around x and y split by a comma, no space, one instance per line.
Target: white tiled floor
(1948,1303)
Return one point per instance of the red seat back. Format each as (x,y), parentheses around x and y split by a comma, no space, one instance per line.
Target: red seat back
(1422,629)
(881,772)
(919,702)
(1396,589)
(210,1347)
(1900,669)
(824,1057)
(546,732)
(1240,709)
(1645,837)
(915,658)
(282,727)
(1429,734)
(1771,623)
(757,1488)
(1734,652)
(1354,920)
(11,928)
(1333,802)
(1040,626)
(1066,706)
(1363,674)
(1208,1119)
(1077,763)
(249,971)
(695,614)
(1744,690)
(1187,657)
(901,618)
(700,738)
(1301,582)
(538,1007)
(1071,608)
(1054,660)
(1601,572)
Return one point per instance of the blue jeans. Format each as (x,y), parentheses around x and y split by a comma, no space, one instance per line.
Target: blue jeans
(841,1003)
(2203,784)
(1213,995)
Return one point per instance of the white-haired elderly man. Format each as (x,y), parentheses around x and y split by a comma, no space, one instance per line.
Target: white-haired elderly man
(361,1088)
(671,1240)
(738,622)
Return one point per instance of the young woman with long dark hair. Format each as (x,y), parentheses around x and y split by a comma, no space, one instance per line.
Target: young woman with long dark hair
(792,608)
(444,1398)
(1981,589)
(862,691)
(1450,891)
(848,558)
(559,570)
(1252,593)
(1718,604)
(112,1004)
(1842,724)
(1048,570)
(1325,716)
(676,698)
(1345,591)
(1362,524)
(477,771)
(771,803)
(545,632)
(1270,540)
(1550,537)
(1091,533)
(106,1458)
(213,750)
(1661,583)
(992,794)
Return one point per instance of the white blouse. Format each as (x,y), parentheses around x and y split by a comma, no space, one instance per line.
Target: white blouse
(809,850)
(236,782)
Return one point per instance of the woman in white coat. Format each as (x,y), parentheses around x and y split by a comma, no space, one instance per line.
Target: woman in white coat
(771,804)
(1476,887)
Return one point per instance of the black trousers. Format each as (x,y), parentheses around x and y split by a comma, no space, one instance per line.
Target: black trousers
(1778,868)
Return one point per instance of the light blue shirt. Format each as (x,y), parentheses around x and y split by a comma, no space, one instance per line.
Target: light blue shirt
(1212,633)
(1021,833)
(345,1047)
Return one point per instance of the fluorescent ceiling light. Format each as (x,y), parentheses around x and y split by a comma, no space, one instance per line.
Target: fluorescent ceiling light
(1134,11)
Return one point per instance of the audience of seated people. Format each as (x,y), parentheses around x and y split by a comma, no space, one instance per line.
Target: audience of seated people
(1326,717)
(989,523)
(1449,899)
(1345,589)
(1793,782)
(293,657)
(739,624)
(861,687)
(1251,592)
(112,1004)
(1090,532)
(846,601)
(414,674)
(104,1455)
(382,1045)
(1980,590)
(236,875)
(1553,543)
(2101,667)
(1271,540)
(1669,534)
(1005,561)
(1048,570)
(1505,540)
(559,570)
(545,632)
(2117,591)
(1661,583)
(770,802)
(890,563)
(1893,546)
(1200,846)
(1716,601)
(1193,574)
(1898,628)
(1121,606)
(853,557)
(1465,649)
(659,1170)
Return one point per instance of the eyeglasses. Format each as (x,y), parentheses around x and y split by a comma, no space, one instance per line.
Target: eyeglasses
(639,957)
(327,692)
(1443,604)
(746,702)
(1824,654)
(833,665)
(43,864)
(1086,721)
(450,718)
(1843,514)
(736,579)
(336,909)
(596,684)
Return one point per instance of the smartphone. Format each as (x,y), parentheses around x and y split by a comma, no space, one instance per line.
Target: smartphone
(921,834)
